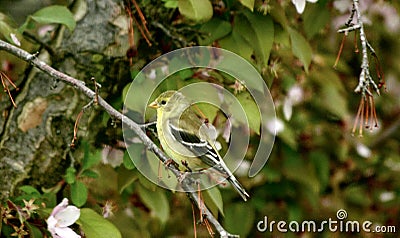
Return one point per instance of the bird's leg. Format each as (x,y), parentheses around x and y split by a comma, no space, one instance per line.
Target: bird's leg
(185,163)
(171,161)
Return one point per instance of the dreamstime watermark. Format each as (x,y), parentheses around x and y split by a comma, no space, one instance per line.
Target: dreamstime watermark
(338,224)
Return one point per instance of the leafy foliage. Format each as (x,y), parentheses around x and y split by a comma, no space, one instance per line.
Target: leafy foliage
(197,10)
(95,225)
(53,14)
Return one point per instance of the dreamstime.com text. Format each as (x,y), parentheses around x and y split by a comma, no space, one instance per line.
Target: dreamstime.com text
(340,224)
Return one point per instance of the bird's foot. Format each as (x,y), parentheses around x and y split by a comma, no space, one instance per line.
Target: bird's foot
(169,162)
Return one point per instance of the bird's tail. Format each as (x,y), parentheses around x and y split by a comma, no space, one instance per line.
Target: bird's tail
(238,187)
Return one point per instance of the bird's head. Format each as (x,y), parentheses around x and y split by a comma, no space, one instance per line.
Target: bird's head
(164,98)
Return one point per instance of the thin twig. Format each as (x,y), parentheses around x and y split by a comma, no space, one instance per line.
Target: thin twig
(194,222)
(365,80)
(208,226)
(5,80)
(78,119)
(186,182)
(178,39)
(96,91)
(340,50)
(142,27)
(142,31)
(142,18)
(131,35)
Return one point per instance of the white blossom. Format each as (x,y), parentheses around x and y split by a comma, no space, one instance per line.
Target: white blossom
(60,218)
(275,126)
(295,96)
(387,196)
(301,4)
(363,150)
(152,74)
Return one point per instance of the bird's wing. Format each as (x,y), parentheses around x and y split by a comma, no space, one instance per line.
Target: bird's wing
(201,148)
(205,151)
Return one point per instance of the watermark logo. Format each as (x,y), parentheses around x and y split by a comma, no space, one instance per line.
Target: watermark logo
(341,214)
(338,224)
(203,59)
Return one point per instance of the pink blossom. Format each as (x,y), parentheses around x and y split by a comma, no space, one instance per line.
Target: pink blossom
(60,218)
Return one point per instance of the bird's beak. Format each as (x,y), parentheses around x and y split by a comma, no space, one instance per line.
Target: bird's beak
(153,105)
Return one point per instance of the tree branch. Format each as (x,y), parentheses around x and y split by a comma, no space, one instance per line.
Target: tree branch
(366,114)
(365,79)
(80,85)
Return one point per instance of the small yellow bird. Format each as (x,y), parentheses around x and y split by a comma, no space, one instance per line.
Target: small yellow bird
(187,139)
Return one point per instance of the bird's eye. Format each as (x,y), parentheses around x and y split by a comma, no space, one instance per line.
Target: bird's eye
(163,102)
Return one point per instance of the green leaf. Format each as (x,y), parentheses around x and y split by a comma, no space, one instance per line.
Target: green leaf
(55,14)
(239,219)
(300,48)
(34,231)
(125,91)
(209,111)
(251,110)
(145,181)
(6,230)
(79,193)
(135,152)
(258,31)
(281,36)
(96,226)
(29,190)
(216,29)
(304,173)
(70,175)
(248,3)
(89,173)
(89,159)
(185,73)
(135,99)
(196,10)
(358,195)
(50,199)
(295,213)
(127,161)
(315,18)
(235,43)
(6,29)
(159,174)
(125,178)
(334,101)
(331,93)
(278,14)
(156,201)
(213,200)
(170,3)
(288,136)
(320,161)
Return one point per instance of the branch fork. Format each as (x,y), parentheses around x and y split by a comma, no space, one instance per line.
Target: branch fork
(366,114)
